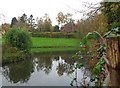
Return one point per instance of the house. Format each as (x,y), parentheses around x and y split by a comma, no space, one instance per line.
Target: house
(70,27)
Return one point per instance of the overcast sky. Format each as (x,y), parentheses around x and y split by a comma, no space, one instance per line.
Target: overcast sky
(15,8)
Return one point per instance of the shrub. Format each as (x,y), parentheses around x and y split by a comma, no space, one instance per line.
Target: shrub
(19,38)
(54,34)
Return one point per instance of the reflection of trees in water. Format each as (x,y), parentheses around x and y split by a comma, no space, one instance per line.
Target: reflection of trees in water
(64,68)
(18,72)
(82,79)
(56,58)
(65,65)
(44,63)
(85,81)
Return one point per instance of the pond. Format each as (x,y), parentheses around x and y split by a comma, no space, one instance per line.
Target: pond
(49,69)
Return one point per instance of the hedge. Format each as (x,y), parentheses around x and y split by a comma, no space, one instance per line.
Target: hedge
(54,34)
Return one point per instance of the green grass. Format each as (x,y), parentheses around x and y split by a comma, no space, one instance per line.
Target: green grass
(42,45)
(45,50)
(54,44)
(57,42)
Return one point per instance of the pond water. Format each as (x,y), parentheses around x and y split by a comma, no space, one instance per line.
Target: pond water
(50,69)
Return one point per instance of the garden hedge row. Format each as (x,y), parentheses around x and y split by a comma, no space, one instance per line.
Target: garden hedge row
(54,34)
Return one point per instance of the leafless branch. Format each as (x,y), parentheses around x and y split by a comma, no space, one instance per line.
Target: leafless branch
(91,10)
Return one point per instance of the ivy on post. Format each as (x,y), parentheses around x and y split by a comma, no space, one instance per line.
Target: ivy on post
(113,51)
(113,56)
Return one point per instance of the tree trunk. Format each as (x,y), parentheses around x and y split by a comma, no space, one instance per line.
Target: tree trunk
(113,52)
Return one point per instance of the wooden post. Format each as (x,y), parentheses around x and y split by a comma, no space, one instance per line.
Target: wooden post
(113,52)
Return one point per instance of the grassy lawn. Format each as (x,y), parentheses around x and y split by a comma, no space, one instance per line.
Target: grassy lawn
(45,50)
(46,42)
(54,44)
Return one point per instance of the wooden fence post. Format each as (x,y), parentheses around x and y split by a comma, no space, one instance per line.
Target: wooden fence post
(113,51)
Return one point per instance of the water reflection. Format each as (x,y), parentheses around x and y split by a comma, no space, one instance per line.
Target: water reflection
(43,63)
(18,72)
(65,67)
(39,69)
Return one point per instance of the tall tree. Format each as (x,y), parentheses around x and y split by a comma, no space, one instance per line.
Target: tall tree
(44,24)
(68,18)
(93,23)
(112,12)
(56,28)
(23,22)
(60,18)
(23,18)
(40,23)
(47,23)
(14,21)
(31,22)
(65,19)
(5,27)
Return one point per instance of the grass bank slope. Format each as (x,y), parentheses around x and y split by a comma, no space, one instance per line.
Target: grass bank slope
(54,42)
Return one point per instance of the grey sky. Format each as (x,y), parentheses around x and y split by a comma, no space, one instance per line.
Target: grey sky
(15,8)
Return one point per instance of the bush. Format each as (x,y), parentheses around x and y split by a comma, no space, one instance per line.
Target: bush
(19,38)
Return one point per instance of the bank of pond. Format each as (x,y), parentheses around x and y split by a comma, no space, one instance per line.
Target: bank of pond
(43,45)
